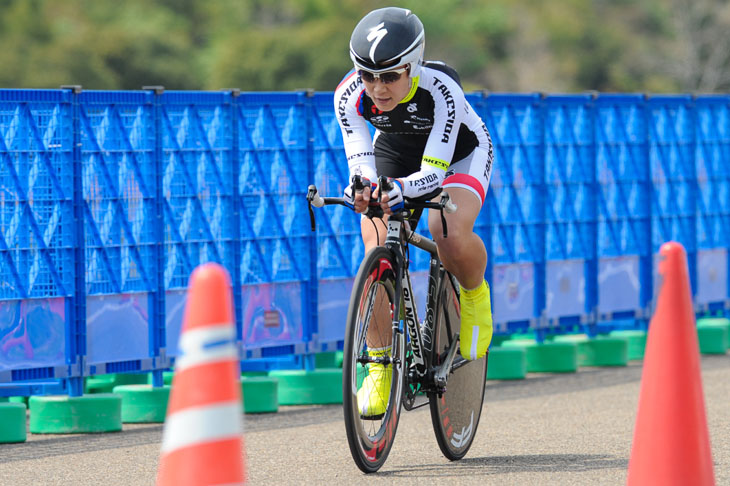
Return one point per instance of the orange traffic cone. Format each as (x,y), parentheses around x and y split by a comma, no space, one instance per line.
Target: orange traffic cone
(202,441)
(671,441)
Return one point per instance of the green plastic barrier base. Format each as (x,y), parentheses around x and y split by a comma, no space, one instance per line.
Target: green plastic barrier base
(12,422)
(570,338)
(603,351)
(75,415)
(716,322)
(636,339)
(300,387)
(99,384)
(254,373)
(713,339)
(106,383)
(23,400)
(131,378)
(552,358)
(498,339)
(328,359)
(143,404)
(518,343)
(260,394)
(507,363)
(548,357)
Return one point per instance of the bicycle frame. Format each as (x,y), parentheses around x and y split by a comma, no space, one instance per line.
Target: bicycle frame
(421,339)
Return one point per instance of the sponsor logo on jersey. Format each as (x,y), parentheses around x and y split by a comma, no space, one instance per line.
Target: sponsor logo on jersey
(361,154)
(428,180)
(417,125)
(421,119)
(450,108)
(438,163)
(412,107)
(342,103)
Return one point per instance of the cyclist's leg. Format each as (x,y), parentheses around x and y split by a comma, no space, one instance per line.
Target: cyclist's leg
(379,331)
(463,252)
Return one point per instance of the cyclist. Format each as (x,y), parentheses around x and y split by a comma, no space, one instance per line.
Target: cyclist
(427,135)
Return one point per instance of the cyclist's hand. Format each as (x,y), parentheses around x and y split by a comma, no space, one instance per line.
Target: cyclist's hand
(358,200)
(362,198)
(392,200)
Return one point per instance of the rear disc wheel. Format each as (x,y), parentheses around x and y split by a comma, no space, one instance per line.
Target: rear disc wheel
(455,412)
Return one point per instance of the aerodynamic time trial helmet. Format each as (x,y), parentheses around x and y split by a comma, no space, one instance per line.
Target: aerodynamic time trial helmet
(387,38)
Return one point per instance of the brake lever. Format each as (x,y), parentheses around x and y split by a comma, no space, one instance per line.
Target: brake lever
(442,204)
(311,195)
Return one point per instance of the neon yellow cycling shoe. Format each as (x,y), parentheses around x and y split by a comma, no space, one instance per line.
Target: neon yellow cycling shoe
(476,321)
(373,395)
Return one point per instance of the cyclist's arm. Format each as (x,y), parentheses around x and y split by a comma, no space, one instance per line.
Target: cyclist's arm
(355,134)
(449,110)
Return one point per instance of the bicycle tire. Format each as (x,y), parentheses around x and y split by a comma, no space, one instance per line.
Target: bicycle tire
(370,440)
(455,413)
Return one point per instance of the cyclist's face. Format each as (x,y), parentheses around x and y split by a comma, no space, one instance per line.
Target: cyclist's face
(387,95)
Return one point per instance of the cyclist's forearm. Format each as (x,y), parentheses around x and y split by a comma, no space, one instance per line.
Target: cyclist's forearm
(422,182)
(365,169)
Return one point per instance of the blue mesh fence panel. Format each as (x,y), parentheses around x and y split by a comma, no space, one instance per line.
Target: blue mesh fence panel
(119,206)
(197,182)
(272,184)
(570,177)
(712,152)
(671,159)
(36,232)
(671,152)
(118,145)
(36,202)
(514,200)
(623,197)
(570,206)
(515,206)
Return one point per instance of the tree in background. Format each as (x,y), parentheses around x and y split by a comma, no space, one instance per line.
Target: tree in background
(267,45)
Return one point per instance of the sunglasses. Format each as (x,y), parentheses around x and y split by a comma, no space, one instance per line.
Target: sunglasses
(385,78)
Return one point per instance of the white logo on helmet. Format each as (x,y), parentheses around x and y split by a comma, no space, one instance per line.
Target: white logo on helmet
(375,35)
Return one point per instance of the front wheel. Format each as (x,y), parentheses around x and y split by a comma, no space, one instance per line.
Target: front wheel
(455,412)
(372,368)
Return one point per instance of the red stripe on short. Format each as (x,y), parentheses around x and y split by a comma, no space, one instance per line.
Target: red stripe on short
(466,180)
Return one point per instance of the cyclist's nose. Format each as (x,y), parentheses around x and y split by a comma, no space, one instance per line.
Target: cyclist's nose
(379,86)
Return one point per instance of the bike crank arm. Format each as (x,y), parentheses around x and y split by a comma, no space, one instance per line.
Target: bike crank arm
(442,372)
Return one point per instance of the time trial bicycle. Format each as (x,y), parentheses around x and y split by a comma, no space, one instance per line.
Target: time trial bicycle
(423,355)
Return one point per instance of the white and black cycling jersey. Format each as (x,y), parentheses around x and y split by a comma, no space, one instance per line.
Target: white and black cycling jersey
(431,127)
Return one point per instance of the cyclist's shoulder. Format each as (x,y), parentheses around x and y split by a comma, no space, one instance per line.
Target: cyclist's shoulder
(349,84)
(436,67)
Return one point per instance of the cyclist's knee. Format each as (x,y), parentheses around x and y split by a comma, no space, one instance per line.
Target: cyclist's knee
(373,233)
(458,230)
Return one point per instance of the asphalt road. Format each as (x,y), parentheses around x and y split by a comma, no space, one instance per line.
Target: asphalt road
(561,429)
